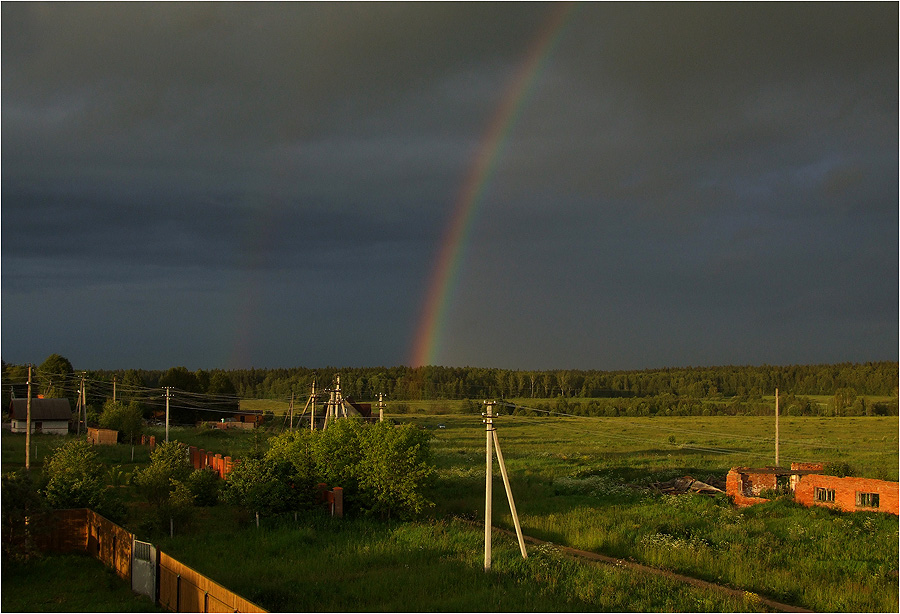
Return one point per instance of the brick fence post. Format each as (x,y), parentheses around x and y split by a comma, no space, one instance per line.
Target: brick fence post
(152,442)
(338,509)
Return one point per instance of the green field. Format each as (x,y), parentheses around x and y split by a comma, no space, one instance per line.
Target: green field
(69,583)
(581,482)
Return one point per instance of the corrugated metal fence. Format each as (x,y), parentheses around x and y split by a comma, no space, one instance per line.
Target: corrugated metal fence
(179,588)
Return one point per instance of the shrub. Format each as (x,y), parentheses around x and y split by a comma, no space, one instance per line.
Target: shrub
(204,486)
(21,500)
(394,470)
(262,485)
(75,479)
(168,464)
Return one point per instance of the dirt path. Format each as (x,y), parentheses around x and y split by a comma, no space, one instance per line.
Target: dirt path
(601,558)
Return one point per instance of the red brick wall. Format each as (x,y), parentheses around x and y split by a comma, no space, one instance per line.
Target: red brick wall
(736,486)
(845,490)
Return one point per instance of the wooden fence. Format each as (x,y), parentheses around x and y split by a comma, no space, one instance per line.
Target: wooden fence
(182,589)
(179,588)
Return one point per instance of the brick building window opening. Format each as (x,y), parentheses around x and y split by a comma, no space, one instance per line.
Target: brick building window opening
(825,495)
(867,499)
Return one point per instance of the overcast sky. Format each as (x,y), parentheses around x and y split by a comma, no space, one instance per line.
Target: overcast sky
(236,185)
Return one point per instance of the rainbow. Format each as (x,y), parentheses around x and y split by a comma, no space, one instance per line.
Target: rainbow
(445,276)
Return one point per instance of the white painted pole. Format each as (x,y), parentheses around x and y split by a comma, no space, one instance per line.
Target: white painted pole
(509,495)
(488,484)
(776,428)
(312,397)
(168,390)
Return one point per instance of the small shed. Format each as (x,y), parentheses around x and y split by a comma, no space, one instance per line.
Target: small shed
(47,415)
(102,437)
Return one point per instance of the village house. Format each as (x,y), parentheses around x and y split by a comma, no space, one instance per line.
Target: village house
(47,415)
(811,487)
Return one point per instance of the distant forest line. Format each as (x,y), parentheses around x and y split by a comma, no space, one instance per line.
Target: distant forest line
(728,390)
(434,383)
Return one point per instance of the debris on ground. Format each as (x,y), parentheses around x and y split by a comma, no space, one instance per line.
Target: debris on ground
(687,484)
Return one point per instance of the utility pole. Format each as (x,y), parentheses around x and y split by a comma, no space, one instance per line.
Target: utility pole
(488,483)
(168,390)
(492,438)
(509,496)
(28,424)
(381,407)
(79,406)
(312,402)
(83,401)
(114,388)
(776,427)
(292,410)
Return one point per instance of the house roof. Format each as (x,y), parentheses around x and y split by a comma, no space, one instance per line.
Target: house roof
(41,409)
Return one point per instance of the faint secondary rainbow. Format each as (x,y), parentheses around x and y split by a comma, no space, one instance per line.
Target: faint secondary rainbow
(445,276)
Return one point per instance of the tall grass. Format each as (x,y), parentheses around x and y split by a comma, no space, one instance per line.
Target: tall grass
(318,564)
(68,583)
(584,483)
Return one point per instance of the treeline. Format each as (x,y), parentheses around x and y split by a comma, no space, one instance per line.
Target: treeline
(430,382)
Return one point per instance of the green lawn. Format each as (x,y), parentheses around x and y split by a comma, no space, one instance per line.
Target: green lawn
(68,583)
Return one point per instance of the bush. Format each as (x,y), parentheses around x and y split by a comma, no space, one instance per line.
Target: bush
(21,500)
(262,485)
(168,464)
(204,486)
(75,479)
(839,469)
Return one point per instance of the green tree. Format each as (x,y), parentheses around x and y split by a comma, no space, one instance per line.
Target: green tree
(169,465)
(75,479)
(395,470)
(262,485)
(22,503)
(125,418)
(54,373)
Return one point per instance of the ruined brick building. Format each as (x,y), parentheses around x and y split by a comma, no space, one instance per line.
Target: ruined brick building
(811,487)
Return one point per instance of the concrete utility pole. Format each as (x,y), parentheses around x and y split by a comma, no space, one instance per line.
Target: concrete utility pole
(28,424)
(509,496)
(312,402)
(488,483)
(168,390)
(488,487)
(776,427)
(83,401)
(292,410)
(114,388)
(381,407)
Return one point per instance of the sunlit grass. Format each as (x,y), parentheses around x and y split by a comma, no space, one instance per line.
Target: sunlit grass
(361,565)
(583,483)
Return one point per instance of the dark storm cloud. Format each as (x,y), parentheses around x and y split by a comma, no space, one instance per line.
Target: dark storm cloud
(683,183)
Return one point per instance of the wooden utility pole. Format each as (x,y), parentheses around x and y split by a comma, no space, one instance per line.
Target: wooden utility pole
(28,424)
(776,427)
(83,402)
(79,407)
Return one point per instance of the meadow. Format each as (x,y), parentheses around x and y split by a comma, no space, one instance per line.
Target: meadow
(580,482)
